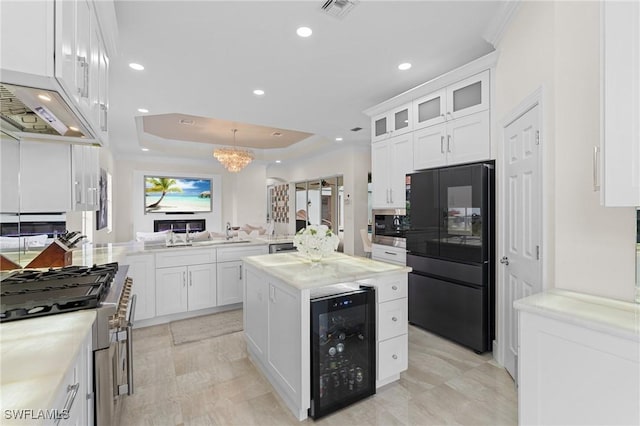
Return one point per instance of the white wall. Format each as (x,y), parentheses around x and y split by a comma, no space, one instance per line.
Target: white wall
(243,194)
(354,164)
(555,45)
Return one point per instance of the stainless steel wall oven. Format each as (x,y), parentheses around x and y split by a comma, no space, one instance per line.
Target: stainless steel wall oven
(389,227)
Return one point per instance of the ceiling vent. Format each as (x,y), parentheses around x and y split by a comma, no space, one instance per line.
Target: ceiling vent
(356,129)
(339,8)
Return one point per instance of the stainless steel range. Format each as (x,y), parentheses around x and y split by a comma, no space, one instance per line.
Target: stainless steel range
(106,288)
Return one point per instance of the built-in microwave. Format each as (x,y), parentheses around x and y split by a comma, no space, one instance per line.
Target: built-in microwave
(389,227)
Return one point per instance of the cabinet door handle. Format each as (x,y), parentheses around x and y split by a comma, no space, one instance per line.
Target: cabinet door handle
(190,278)
(391,195)
(392,254)
(442,144)
(83,91)
(240,267)
(184,279)
(394,319)
(72,390)
(394,356)
(448,143)
(103,121)
(596,178)
(395,287)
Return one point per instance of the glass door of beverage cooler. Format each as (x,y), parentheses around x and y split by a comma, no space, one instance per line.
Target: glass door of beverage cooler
(343,352)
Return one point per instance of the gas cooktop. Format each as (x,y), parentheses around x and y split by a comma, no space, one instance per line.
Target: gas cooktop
(32,293)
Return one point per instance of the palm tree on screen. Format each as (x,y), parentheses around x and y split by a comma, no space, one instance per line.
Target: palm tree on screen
(163,185)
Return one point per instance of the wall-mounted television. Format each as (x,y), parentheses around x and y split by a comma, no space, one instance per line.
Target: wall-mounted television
(167,194)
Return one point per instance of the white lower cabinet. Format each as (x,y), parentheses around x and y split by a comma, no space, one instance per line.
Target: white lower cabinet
(230,272)
(392,357)
(176,283)
(391,327)
(229,281)
(255,311)
(73,402)
(185,288)
(463,140)
(283,335)
(142,271)
(389,254)
(572,371)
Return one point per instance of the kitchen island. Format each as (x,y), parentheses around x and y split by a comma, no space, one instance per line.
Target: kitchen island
(277,290)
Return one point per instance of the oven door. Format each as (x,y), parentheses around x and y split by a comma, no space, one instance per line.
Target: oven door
(389,227)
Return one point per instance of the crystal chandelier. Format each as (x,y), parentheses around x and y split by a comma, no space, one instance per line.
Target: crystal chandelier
(233,159)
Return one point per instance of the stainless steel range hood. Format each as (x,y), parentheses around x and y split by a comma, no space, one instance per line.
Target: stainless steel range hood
(27,110)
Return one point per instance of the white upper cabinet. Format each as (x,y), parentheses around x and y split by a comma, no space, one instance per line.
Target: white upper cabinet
(45,177)
(617,172)
(63,49)
(392,123)
(463,140)
(430,109)
(468,96)
(85,171)
(460,99)
(391,160)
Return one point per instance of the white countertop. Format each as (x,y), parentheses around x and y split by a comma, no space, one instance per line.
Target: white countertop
(35,354)
(95,254)
(297,271)
(598,313)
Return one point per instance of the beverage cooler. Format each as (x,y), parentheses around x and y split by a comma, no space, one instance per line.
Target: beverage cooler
(343,347)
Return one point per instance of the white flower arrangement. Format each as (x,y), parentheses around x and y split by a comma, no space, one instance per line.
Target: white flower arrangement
(316,241)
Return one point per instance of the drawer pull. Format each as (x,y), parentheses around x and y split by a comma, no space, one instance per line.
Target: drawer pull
(395,287)
(392,254)
(394,319)
(394,356)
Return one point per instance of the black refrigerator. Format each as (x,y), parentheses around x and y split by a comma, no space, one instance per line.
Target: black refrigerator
(450,246)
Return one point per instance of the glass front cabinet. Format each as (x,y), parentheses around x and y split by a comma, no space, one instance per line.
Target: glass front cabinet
(465,97)
(392,123)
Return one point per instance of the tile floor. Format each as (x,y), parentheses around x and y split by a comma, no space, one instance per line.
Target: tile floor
(213,382)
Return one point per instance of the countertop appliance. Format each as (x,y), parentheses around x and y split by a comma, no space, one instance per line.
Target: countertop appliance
(106,288)
(343,347)
(390,227)
(450,246)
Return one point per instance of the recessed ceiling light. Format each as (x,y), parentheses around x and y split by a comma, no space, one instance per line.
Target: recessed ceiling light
(258,92)
(145,149)
(186,122)
(404,66)
(338,139)
(135,66)
(276,134)
(143,110)
(278,161)
(304,31)
(75,129)
(44,97)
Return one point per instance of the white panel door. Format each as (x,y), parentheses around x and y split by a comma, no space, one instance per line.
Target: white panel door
(522,236)
(202,286)
(429,147)
(171,290)
(468,139)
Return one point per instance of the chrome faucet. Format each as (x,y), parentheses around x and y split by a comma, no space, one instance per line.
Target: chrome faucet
(228,231)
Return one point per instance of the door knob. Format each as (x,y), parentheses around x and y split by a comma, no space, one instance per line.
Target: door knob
(504,260)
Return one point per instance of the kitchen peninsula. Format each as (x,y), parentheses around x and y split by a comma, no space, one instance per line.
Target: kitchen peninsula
(277,291)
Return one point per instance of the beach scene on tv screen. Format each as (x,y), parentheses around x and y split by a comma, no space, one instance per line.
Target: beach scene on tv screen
(168,194)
